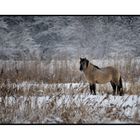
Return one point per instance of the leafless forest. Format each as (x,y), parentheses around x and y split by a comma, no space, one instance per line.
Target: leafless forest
(40,81)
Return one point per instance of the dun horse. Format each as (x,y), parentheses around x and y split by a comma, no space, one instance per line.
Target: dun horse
(96,75)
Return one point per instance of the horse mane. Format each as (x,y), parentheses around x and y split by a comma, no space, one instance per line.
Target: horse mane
(95,66)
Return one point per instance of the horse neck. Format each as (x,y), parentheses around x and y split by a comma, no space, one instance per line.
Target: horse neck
(89,69)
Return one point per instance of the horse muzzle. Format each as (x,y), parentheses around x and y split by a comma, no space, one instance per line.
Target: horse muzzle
(81,68)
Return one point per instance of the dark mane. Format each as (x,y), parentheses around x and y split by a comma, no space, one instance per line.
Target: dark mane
(96,66)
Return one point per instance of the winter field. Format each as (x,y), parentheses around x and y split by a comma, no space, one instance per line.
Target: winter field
(34,92)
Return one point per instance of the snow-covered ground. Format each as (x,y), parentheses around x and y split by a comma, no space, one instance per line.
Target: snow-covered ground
(71,107)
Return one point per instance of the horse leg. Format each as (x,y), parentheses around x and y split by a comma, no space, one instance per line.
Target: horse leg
(90,88)
(93,88)
(114,87)
(119,90)
(120,87)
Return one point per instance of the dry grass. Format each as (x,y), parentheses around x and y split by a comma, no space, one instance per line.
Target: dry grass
(21,105)
(37,74)
(26,110)
(56,72)
(13,73)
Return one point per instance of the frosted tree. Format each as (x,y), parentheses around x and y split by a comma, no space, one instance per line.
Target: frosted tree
(21,40)
(3,32)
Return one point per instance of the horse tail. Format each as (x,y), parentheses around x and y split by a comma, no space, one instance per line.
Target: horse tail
(120,82)
(121,86)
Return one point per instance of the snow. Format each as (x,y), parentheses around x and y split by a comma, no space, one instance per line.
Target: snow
(98,101)
(103,100)
(103,107)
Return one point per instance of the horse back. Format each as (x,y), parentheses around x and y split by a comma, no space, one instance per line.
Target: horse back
(113,72)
